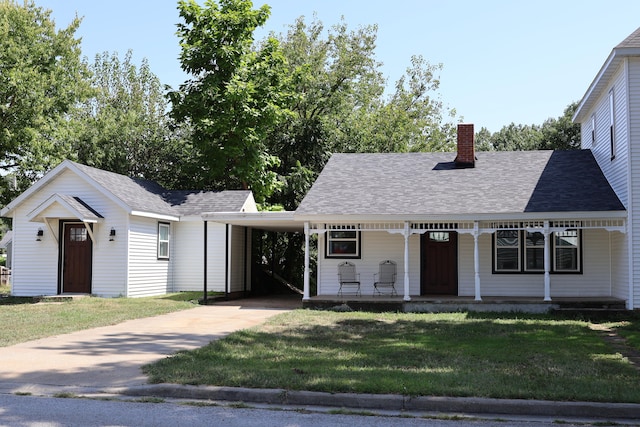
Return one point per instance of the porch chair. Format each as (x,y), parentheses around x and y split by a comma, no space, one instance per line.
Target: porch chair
(348,278)
(385,278)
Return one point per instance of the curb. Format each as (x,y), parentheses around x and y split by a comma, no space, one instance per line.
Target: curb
(470,405)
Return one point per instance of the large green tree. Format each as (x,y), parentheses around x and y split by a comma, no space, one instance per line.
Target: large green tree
(235,95)
(41,78)
(124,126)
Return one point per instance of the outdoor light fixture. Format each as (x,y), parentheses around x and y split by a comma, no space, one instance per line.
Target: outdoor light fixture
(39,234)
(112,234)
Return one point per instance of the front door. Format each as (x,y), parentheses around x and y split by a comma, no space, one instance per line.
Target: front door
(76,259)
(439,271)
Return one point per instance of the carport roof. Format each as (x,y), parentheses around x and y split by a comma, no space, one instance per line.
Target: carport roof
(270,221)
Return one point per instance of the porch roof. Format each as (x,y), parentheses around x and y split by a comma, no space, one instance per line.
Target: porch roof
(72,206)
(428,185)
(270,221)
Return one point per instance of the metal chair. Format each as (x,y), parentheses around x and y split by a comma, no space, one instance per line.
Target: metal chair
(349,279)
(385,279)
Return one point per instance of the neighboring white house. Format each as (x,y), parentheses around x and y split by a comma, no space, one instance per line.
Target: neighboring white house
(84,230)
(609,115)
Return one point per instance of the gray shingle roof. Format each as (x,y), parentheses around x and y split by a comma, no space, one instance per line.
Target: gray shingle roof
(148,196)
(197,202)
(429,184)
(632,41)
(81,206)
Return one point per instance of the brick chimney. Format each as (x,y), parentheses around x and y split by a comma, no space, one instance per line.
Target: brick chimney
(466,157)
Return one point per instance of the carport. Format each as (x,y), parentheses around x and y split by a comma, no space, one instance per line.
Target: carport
(276,222)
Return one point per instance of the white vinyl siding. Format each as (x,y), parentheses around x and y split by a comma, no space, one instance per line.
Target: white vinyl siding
(188,256)
(148,275)
(614,170)
(595,280)
(35,264)
(376,247)
(599,269)
(633,140)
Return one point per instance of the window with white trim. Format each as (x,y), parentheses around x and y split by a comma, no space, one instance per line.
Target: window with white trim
(593,130)
(507,250)
(566,249)
(163,240)
(534,251)
(343,244)
(612,136)
(523,252)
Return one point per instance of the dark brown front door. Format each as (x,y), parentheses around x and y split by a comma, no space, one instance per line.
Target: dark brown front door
(439,273)
(76,262)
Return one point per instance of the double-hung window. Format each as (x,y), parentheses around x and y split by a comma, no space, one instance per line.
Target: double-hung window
(343,244)
(523,252)
(612,119)
(163,240)
(593,130)
(507,250)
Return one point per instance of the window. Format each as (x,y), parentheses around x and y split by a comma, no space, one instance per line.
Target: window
(163,240)
(343,244)
(523,252)
(566,247)
(534,252)
(507,255)
(593,130)
(78,234)
(612,137)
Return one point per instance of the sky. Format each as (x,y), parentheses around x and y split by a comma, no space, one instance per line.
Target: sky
(504,61)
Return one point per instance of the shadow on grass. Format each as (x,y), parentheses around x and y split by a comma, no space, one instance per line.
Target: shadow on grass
(487,355)
(9,300)
(189,296)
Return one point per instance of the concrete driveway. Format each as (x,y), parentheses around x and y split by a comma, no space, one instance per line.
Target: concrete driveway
(112,356)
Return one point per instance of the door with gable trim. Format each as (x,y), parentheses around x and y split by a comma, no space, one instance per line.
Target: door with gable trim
(76,258)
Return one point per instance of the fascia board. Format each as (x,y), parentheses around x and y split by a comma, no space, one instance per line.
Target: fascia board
(155,215)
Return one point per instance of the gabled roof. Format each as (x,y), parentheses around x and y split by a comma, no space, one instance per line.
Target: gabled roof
(74,207)
(429,185)
(628,47)
(137,196)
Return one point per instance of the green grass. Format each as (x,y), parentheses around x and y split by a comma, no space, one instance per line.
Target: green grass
(23,320)
(459,354)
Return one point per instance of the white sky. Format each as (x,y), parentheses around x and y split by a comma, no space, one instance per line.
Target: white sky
(504,60)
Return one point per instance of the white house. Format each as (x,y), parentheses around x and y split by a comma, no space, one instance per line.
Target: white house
(84,230)
(609,115)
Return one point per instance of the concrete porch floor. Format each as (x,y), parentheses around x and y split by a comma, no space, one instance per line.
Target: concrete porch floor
(451,303)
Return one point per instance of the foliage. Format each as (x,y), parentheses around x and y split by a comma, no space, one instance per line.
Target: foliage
(553,134)
(124,127)
(41,79)
(456,354)
(235,95)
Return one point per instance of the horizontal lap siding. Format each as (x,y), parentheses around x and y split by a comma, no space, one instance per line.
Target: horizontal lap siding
(188,259)
(634,141)
(375,247)
(595,280)
(35,264)
(620,265)
(378,246)
(147,274)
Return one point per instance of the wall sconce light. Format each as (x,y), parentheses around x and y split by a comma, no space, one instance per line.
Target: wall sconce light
(39,235)
(112,234)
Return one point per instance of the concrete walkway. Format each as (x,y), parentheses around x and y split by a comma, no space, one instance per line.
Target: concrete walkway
(112,356)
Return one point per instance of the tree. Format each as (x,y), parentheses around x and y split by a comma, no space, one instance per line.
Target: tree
(41,79)
(235,95)
(561,133)
(124,127)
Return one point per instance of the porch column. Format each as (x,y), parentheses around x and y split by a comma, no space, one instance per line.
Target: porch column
(305,295)
(547,259)
(407,234)
(476,260)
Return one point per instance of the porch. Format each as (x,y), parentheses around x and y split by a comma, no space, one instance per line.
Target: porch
(447,303)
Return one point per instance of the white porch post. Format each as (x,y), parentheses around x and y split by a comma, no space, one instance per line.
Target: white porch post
(476,260)
(305,296)
(547,259)
(407,233)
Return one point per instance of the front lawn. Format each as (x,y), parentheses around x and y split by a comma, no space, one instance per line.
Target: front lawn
(23,320)
(459,354)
